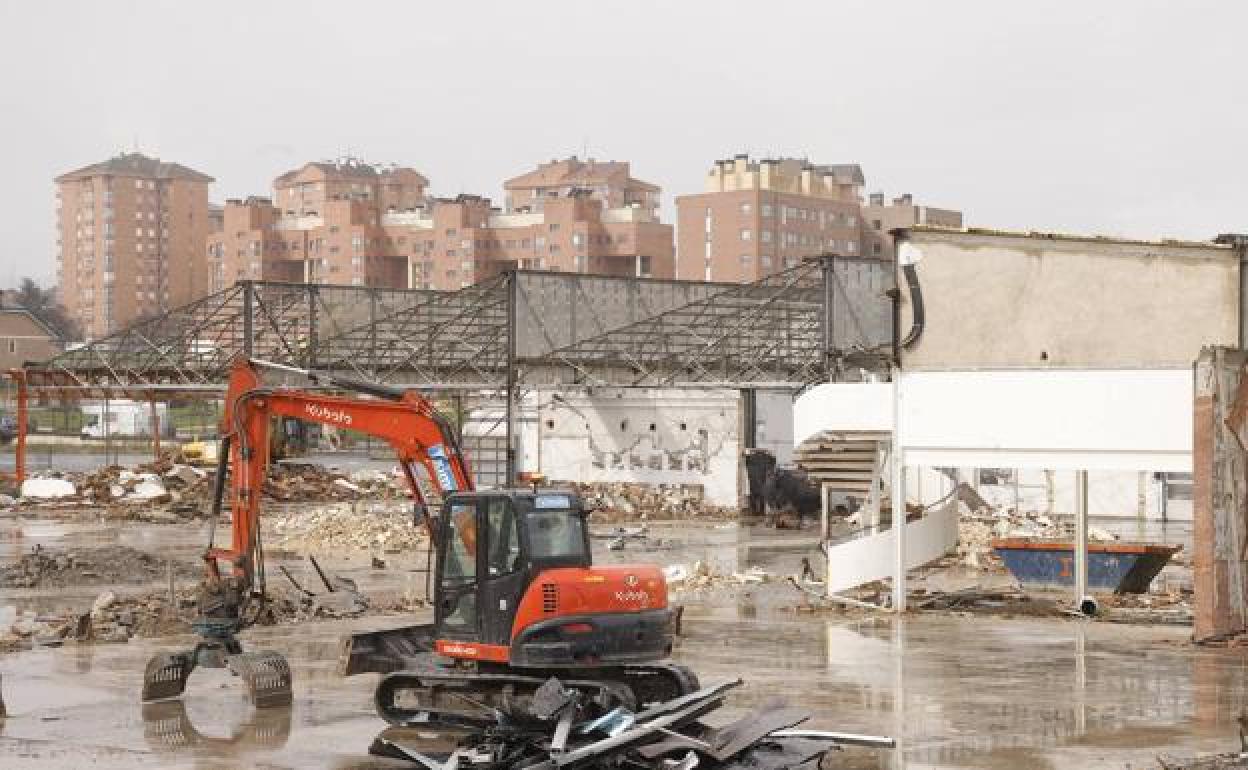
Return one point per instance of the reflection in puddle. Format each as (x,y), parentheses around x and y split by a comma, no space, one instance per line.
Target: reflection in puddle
(168,727)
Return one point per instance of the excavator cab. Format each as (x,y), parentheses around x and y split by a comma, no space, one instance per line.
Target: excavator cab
(492,544)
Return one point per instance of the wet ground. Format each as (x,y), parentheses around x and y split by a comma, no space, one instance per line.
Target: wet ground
(957,691)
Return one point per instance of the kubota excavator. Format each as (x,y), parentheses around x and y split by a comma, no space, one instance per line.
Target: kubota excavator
(517,598)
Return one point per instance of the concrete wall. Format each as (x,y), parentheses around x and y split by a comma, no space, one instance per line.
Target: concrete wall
(1016,300)
(648,436)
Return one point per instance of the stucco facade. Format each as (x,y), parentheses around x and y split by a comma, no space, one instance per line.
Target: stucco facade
(1030,300)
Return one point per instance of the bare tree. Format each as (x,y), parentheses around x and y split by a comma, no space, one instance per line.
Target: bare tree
(42,304)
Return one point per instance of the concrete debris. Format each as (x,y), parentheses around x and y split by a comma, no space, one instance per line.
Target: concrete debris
(614,501)
(977,529)
(44,568)
(7,502)
(48,489)
(185,491)
(334,528)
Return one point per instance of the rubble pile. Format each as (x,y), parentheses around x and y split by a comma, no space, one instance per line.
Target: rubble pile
(339,527)
(977,530)
(700,576)
(625,501)
(290,482)
(565,728)
(43,568)
(167,489)
(115,619)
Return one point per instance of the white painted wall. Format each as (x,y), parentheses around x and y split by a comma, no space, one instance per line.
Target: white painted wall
(650,436)
(774,421)
(1115,423)
(1074,419)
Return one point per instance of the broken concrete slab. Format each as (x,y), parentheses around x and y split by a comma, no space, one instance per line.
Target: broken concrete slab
(47,489)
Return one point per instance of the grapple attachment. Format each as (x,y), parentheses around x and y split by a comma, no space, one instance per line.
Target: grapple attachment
(266,674)
(166,674)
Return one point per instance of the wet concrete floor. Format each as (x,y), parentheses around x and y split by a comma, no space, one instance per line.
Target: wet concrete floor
(958,692)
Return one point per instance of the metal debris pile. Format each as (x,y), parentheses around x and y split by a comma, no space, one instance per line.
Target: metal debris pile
(561,729)
(339,527)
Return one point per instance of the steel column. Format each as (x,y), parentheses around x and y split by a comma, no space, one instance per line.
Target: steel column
(1081,537)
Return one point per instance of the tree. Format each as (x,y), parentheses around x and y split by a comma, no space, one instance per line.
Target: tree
(42,304)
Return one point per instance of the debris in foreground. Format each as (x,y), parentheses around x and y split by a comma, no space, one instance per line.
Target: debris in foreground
(564,728)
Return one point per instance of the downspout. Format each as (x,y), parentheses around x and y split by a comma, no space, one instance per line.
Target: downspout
(1239,242)
(917,316)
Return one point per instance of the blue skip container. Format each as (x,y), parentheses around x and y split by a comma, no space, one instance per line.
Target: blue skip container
(1117,567)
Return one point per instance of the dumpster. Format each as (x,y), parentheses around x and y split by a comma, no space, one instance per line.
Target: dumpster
(1117,567)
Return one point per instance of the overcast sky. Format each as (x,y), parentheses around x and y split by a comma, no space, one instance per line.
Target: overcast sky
(1124,117)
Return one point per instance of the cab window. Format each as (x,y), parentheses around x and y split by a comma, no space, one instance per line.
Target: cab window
(461,545)
(556,534)
(504,542)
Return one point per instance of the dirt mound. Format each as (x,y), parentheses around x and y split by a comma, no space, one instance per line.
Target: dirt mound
(44,568)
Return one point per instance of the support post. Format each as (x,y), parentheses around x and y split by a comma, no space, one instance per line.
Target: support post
(151,402)
(19,377)
(249,339)
(510,469)
(899,501)
(1081,537)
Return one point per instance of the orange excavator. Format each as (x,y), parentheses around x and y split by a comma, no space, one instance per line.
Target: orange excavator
(517,598)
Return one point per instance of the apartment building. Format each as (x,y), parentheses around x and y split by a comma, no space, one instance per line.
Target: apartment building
(757,217)
(880,219)
(131,233)
(353,223)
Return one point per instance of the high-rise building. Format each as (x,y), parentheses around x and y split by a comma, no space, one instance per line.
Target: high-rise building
(353,223)
(131,236)
(757,217)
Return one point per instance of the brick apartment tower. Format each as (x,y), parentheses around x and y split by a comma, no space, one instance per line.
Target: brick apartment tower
(350,222)
(759,217)
(131,235)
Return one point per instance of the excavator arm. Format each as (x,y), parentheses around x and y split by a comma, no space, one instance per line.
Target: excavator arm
(420,437)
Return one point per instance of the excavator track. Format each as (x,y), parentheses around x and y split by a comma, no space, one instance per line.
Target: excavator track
(476,699)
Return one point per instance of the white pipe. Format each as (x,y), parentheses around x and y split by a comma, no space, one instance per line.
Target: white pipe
(899,501)
(1081,536)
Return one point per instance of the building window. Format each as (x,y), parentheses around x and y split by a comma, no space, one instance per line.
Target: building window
(875,249)
(766,235)
(582,263)
(450,232)
(554,227)
(746,260)
(851,247)
(578,239)
(643,266)
(12,346)
(746,208)
(746,234)
(765,262)
(877,224)
(708,250)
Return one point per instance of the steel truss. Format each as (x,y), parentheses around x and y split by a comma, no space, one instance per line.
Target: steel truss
(520,329)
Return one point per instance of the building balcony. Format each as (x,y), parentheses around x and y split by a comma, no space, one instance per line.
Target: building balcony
(307,222)
(525,219)
(628,214)
(419,219)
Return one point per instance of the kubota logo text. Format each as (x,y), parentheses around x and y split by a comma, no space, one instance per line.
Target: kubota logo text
(642,597)
(326,414)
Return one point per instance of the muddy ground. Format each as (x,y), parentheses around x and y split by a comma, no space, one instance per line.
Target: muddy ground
(958,689)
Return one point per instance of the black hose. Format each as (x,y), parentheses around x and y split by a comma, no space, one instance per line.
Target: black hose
(918,318)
